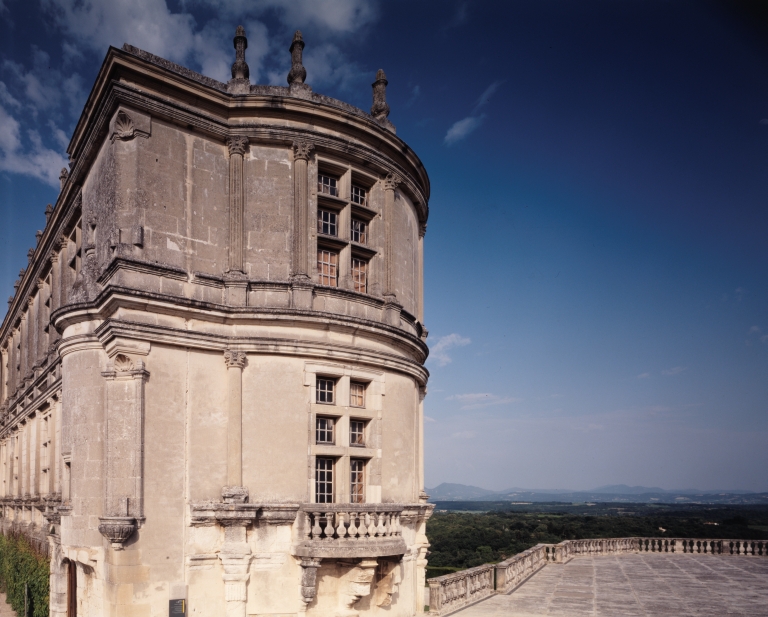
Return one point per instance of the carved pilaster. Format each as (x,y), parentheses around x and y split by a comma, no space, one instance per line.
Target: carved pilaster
(235,558)
(237,146)
(235,362)
(301,153)
(124,443)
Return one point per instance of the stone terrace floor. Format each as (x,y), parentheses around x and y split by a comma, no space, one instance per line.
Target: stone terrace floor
(649,585)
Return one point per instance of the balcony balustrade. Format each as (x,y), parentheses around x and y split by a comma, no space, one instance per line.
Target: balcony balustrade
(350,530)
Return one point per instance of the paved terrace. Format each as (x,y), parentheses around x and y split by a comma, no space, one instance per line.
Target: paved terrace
(613,577)
(639,585)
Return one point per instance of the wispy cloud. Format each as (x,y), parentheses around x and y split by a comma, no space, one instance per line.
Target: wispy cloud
(459,16)
(643,375)
(415,94)
(464,127)
(460,129)
(481,399)
(675,370)
(429,418)
(439,351)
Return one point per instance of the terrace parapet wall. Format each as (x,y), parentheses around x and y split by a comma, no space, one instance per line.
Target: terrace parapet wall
(452,592)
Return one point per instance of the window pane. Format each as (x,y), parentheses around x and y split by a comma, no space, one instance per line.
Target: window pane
(327,267)
(324,430)
(359,231)
(359,195)
(324,390)
(324,480)
(357,481)
(357,394)
(327,222)
(328,185)
(360,275)
(356,433)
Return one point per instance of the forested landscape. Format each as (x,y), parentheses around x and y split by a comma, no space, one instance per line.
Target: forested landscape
(467,534)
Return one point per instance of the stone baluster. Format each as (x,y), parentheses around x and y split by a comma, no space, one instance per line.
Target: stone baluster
(352,524)
(328,525)
(317,530)
(341,530)
(307,526)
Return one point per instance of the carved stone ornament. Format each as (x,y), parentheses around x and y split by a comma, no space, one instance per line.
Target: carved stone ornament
(298,73)
(301,150)
(122,363)
(234,359)
(240,68)
(309,566)
(380,109)
(234,494)
(237,144)
(124,128)
(63,177)
(48,212)
(392,181)
(117,529)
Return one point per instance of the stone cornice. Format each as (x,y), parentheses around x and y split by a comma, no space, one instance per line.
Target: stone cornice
(113,297)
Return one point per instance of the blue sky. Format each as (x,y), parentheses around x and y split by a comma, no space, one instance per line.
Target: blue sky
(597,250)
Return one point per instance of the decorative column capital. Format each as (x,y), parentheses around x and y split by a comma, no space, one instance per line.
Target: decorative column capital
(234,359)
(392,181)
(237,144)
(301,150)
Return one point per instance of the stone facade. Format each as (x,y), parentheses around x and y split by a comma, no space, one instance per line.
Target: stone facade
(228,267)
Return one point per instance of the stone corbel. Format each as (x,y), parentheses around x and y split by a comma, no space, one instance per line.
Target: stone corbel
(359,586)
(308,586)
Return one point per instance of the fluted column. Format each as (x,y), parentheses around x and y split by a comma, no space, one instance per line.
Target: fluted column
(56,263)
(235,281)
(235,361)
(23,348)
(42,320)
(391,308)
(301,281)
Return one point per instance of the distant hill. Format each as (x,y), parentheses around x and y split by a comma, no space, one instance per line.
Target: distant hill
(616,493)
(457,492)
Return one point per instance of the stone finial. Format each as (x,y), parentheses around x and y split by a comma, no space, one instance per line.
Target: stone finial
(380,109)
(38,235)
(48,212)
(30,255)
(10,301)
(63,177)
(298,73)
(240,69)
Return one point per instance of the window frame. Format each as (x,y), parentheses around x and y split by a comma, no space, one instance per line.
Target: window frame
(331,278)
(332,226)
(363,425)
(357,480)
(328,482)
(333,189)
(333,382)
(362,236)
(330,427)
(355,198)
(364,387)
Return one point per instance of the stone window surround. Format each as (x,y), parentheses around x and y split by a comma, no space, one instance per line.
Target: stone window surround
(342,413)
(347,210)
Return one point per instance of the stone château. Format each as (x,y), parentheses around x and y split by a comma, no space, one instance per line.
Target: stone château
(213,365)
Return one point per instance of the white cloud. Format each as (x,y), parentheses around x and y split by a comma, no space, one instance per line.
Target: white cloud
(429,419)
(439,352)
(676,370)
(327,66)
(37,161)
(755,329)
(462,128)
(337,16)
(415,94)
(643,375)
(7,98)
(481,399)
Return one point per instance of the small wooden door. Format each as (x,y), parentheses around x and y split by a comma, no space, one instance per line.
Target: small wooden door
(71,589)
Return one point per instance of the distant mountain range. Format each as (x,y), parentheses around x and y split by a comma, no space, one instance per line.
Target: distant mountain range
(609,493)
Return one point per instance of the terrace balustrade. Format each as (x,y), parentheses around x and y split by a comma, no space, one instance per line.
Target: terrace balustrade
(449,593)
